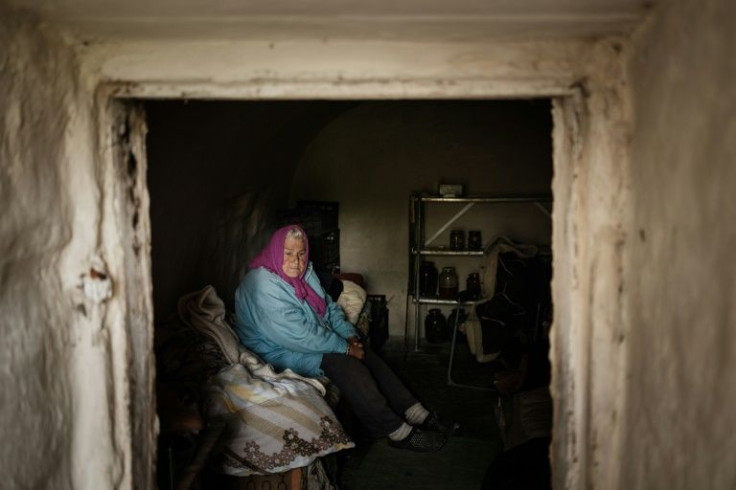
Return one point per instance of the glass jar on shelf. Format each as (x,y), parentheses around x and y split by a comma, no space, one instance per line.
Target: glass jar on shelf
(448,283)
(475,242)
(457,240)
(435,326)
(472,286)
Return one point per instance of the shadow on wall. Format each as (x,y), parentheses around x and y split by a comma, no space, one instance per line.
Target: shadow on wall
(216,172)
(241,228)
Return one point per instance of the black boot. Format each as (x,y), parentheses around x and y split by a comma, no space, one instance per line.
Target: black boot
(424,441)
(433,423)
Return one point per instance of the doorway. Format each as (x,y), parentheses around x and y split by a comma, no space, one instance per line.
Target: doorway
(219,171)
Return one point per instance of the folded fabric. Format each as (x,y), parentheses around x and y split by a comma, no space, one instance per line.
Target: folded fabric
(489,267)
(205,311)
(487,333)
(474,332)
(351,300)
(273,426)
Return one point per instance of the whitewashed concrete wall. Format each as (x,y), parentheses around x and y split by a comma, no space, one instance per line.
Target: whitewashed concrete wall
(38,394)
(680,282)
(70,352)
(65,358)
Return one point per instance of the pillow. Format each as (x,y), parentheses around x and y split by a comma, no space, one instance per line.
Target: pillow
(352,300)
(273,425)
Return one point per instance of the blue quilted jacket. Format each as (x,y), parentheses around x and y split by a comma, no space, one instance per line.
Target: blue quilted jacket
(284,330)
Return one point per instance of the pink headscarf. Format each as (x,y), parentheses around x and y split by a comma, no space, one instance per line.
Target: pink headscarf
(272,258)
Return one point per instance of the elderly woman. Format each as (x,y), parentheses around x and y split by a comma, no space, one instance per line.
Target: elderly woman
(284,315)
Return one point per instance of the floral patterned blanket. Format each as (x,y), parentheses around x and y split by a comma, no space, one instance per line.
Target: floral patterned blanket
(275,421)
(272,426)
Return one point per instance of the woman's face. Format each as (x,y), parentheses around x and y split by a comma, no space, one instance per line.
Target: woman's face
(295,257)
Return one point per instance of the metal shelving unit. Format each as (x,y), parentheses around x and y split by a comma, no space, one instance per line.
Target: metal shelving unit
(420,247)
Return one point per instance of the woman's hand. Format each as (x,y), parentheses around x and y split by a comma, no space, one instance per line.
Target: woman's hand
(354,340)
(355,349)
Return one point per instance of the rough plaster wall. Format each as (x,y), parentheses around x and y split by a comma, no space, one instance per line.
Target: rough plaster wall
(35,228)
(681,290)
(373,157)
(64,368)
(39,418)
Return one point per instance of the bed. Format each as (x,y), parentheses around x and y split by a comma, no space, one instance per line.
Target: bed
(245,420)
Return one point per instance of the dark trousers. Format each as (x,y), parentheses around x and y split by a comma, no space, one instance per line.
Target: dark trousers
(375,393)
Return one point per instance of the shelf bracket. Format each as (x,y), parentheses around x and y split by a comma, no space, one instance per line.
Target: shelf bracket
(449,223)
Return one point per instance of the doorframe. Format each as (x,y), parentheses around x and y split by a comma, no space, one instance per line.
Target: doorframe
(126,239)
(571,349)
